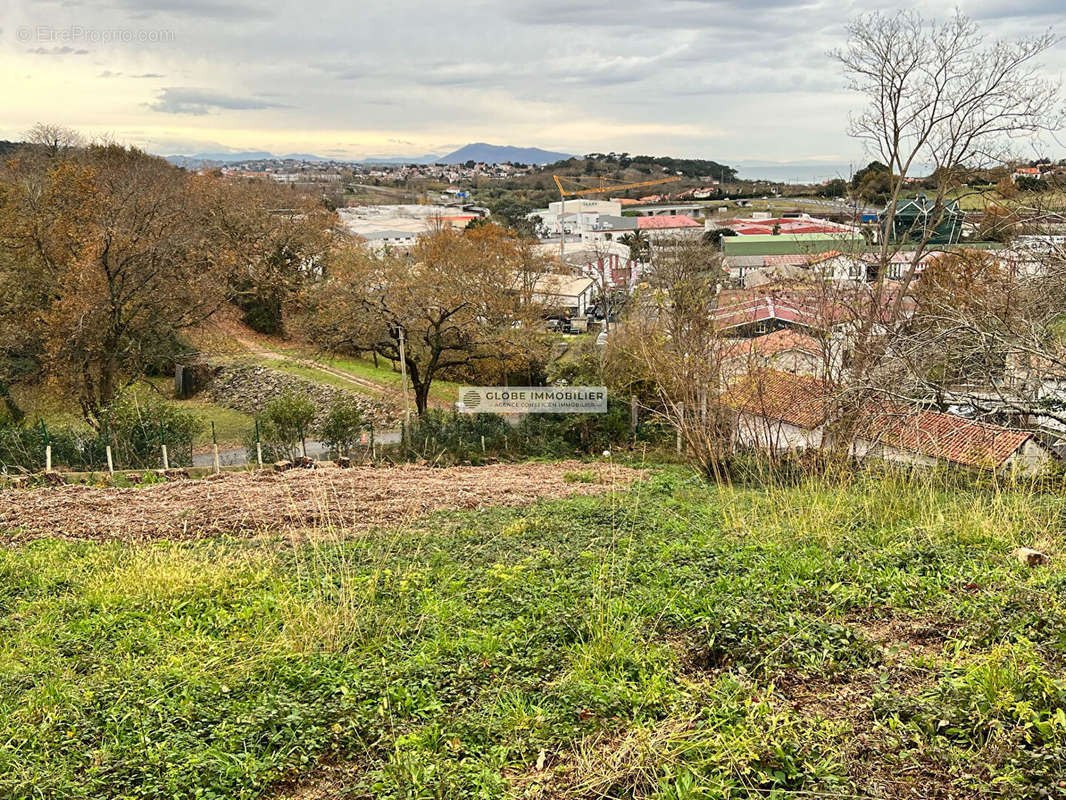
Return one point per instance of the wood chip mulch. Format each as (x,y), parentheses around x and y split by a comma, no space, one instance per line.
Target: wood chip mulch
(252,503)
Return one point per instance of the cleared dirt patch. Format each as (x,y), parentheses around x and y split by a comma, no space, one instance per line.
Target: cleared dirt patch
(254,502)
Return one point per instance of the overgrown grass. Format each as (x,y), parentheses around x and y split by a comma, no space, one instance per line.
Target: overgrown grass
(673,641)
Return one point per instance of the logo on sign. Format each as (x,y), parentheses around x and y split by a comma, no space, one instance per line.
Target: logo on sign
(533,399)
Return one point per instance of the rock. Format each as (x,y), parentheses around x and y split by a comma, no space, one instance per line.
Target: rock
(1031,558)
(249,388)
(282,466)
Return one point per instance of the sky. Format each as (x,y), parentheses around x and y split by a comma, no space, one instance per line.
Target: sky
(730,80)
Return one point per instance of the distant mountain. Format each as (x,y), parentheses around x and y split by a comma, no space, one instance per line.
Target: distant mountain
(479,151)
(498,154)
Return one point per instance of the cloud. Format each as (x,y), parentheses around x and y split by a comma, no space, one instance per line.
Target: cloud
(64,50)
(109,74)
(201,9)
(202,101)
(709,78)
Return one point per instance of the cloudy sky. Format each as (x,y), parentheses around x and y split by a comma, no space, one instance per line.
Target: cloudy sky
(726,79)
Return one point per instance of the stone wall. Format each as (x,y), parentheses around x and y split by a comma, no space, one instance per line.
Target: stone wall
(250,388)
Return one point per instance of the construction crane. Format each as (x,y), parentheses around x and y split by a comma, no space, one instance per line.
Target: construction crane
(603,187)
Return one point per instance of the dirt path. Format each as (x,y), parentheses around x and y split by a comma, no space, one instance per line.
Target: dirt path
(268,502)
(262,352)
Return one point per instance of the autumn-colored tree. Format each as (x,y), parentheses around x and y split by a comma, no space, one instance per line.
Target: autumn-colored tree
(109,247)
(461,301)
(271,239)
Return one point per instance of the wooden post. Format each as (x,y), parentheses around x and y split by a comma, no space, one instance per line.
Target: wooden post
(47,448)
(163,440)
(258,446)
(482,443)
(214,442)
(110,462)
(633,418)
(681,422)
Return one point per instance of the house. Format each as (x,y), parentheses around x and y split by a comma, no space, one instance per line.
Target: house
(1026,172)
(783,225)
(669,226)
(784,350)
(608,263)
(928,438)
(779,412)
(565,295)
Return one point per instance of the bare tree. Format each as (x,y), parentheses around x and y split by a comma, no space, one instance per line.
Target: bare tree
(670,351)
(940,96)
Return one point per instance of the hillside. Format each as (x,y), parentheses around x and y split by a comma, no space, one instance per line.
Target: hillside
(872,638)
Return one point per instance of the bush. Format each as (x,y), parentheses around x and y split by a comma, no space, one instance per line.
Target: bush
(135,428)
(343,424)
(440,436)
(282,427)
(138,429)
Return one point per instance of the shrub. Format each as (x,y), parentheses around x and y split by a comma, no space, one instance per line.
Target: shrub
(282,426)
(138,428)
(135,428)
(440,436)
(341,427)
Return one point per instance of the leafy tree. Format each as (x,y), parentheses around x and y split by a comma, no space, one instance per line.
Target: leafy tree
(462,301)
(714,237)
(639,246)
(110,249)
(279,239)
(342,426)
(838,187)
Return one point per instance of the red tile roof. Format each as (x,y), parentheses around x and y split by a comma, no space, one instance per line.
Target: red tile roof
(945,437)
(794,399)
(666,221)
(804,401)
(780,341)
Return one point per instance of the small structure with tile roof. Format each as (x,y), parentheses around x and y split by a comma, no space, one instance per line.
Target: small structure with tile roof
(779,412)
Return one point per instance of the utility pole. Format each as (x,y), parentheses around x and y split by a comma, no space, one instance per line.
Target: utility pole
(403,374)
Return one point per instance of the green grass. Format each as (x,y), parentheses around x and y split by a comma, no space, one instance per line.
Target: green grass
(231,427)
(674,641)
(56,407)
(442,393)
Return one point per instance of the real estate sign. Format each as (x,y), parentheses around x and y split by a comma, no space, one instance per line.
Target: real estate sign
(533,399)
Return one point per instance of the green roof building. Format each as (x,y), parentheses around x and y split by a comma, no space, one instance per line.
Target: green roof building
(790,243)
(915,215)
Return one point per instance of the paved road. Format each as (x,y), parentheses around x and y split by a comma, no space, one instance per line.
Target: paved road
(238,455)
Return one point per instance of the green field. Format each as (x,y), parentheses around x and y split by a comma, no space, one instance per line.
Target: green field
(674,640)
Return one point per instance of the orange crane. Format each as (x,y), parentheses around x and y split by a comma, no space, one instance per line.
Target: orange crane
(603,187)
